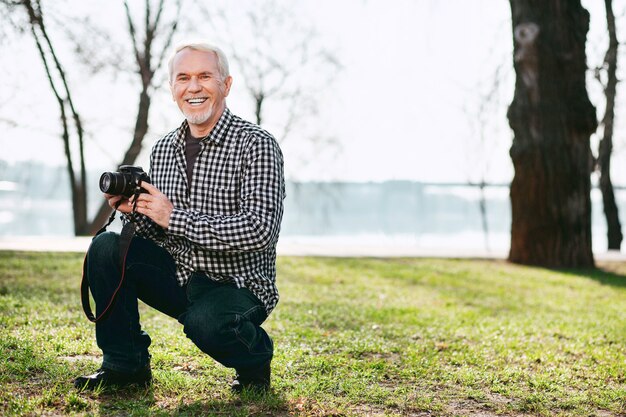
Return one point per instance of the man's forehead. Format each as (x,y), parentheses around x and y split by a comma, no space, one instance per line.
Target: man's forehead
(187,59)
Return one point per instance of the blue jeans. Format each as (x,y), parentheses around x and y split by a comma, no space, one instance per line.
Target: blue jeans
(221,319)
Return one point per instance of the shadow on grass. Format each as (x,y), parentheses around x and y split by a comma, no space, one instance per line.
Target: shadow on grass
(142,402)
(269,404)
(605,274)
(38,384)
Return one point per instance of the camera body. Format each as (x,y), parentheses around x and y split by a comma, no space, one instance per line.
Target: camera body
(123,182)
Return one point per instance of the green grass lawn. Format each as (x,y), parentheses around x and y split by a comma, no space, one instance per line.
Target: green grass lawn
(370,337)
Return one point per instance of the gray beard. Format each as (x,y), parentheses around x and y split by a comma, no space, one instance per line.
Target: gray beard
(199,118)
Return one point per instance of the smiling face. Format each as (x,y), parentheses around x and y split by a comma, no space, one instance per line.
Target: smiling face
(198,89)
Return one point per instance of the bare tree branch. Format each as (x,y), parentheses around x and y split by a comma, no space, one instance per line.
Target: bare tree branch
(132,32)
(274,78)
(64,97)
(169,37)
(144,41)
(146,69)
(81,185)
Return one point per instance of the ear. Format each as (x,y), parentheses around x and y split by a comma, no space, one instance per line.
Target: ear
(227,83)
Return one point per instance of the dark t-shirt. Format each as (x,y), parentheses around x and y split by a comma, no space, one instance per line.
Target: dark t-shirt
(192,149)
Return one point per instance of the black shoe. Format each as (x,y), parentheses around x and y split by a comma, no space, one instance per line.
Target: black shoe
(252,379)
(109,378)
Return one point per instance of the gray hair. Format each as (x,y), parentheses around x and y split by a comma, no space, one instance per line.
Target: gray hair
(222,61)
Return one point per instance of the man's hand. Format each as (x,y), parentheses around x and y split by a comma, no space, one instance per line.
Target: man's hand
(155,205)
(123,207)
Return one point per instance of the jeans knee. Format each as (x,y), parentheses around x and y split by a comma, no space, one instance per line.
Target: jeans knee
(211,335)
(104,246)
(102,262)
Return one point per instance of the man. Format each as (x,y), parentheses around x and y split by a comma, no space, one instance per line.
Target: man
(205,249)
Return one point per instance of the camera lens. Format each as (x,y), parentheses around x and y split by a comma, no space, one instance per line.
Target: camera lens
(112,183)
(105,182)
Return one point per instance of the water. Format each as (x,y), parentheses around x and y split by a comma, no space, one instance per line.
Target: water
(36,202)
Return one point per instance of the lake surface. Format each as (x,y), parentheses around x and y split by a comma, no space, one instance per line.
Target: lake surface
(434,216)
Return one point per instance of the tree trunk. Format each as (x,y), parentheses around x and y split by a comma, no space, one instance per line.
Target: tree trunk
(552,120)
(63,95)
(614,228)
(141,128)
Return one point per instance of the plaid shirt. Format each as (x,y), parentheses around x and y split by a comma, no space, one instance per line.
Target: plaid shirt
(226,222)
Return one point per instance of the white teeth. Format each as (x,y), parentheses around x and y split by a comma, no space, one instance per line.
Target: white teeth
(196,100)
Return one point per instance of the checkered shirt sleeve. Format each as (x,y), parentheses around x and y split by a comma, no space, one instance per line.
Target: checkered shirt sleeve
(226,223)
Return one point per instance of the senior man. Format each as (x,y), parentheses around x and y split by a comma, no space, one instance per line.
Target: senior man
(207,228)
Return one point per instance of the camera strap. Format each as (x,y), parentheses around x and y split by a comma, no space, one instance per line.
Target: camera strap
(126,236)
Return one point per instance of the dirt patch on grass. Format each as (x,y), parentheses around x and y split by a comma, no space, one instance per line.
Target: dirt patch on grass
(76,358)
(471,408)
(493,405)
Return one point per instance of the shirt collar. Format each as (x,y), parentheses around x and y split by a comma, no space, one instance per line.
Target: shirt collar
(217,134)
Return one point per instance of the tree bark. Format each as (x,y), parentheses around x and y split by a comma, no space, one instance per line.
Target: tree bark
(614,228)
(552,120)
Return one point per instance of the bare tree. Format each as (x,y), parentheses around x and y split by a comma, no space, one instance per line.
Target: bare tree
(71,123)
(605,149)
(148,59)
(150,41)
(552,119)
(276,77)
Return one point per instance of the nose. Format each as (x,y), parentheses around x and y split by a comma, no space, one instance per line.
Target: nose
(194,85)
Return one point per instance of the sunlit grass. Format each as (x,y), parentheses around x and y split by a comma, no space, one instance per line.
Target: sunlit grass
(353,337)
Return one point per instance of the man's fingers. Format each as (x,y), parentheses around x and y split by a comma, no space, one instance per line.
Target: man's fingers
(112,199)
(150,188)
(153,204)
(115,201)
(142,199)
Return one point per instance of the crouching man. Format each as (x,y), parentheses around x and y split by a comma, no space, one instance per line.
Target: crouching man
(207,227)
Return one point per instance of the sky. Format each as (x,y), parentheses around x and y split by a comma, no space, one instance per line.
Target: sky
(409,101)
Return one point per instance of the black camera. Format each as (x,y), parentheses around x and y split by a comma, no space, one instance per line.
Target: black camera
(124,182)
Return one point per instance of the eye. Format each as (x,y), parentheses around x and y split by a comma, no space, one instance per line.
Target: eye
(182,78)
(205,76)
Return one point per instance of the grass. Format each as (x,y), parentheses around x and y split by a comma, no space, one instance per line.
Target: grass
(371,337)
